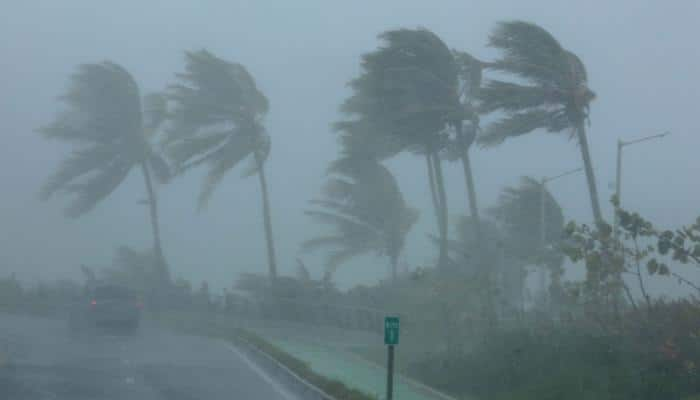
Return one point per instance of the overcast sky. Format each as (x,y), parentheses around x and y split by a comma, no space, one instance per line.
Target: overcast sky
(642,58)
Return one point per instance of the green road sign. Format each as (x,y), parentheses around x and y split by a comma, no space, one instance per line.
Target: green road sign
(391,330)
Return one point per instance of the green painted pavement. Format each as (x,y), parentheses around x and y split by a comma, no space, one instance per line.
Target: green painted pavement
(352,370)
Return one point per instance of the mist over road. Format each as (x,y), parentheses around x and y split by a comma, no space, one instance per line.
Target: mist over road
(47,363)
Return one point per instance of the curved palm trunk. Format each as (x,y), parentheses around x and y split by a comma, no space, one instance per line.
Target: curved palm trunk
(590,177)
(394,259)
(267,220)
(442,197)
(433,191)
(161,264)
(469,180)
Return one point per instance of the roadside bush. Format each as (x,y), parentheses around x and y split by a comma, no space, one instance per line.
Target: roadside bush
(654,358)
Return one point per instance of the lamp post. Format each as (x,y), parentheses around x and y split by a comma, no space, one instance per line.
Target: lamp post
(543,218)
(618,173)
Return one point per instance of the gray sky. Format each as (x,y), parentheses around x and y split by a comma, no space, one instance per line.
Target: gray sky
(642,59)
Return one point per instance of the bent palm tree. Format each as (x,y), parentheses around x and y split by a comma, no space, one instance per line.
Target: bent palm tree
(519,211)
(365,208)
(217,121)
(554,97)
(106,119)
(409,90)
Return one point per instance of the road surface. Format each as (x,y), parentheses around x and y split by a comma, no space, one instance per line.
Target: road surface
(47,363)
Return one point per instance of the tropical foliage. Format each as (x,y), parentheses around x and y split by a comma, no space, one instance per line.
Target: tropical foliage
(365,209)
(549,91)
(111,130)
(409,96)
(217,120)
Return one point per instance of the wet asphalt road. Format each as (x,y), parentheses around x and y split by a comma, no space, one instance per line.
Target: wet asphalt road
(47,363)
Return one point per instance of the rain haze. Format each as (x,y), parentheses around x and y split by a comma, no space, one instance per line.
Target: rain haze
(641,57)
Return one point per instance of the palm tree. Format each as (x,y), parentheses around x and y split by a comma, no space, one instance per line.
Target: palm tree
(409,90)
(217,120)
(470,72)
(519,212)
(363,205)
(554,94)
(111,129)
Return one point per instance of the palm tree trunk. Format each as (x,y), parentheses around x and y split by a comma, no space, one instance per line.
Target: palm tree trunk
(161,264)
(433,191)
(394,259)
(471,191)
(267,220)
(468,176)
(442,196)
(590,177)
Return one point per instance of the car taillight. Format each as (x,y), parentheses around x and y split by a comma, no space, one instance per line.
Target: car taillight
(93,302)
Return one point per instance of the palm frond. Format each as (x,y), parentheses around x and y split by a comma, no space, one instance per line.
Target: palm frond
(516,125)
(530,52)
(104,117)
(262,150)
(470,71)
(216,119)
(365,210)
(519,210)
(322,242)
(408,89)
(213,90)
(337,258)
(92,190)
(189,151)
(511,97)
(220,161)
(103,106)
(81,162)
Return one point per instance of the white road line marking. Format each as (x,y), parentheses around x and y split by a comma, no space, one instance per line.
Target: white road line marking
(267,378)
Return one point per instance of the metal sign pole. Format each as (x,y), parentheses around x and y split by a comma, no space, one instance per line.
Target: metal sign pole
(390,373)
(391,339)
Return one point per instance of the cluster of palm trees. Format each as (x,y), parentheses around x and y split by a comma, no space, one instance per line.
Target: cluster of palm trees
(414,95)
(212,115)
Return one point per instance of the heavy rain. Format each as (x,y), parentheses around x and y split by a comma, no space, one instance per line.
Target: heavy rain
(404,200)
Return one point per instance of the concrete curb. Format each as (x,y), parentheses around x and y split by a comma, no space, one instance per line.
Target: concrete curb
(301,387)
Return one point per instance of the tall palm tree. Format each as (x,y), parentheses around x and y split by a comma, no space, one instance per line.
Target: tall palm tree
(554,93)
(519,211)
(217,120)
(409,90)
(363,205)
(467,125)
(112,130)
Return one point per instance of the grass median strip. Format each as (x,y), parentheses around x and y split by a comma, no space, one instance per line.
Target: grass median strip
(220,328)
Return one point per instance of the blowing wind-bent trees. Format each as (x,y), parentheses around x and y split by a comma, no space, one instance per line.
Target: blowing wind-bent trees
(519,212)
(364,207)
(409,90)
(217,120)
(554,97)
(111,129)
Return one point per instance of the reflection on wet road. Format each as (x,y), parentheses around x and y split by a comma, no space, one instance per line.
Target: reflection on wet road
(47,363)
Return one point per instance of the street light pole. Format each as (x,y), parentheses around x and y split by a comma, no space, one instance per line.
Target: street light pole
(618,175)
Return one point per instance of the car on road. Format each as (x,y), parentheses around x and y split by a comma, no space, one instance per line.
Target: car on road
(106,306)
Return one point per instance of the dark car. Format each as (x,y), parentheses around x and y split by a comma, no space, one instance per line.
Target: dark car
(106,306)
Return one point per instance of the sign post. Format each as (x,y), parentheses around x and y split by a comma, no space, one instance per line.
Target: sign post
(391,339)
